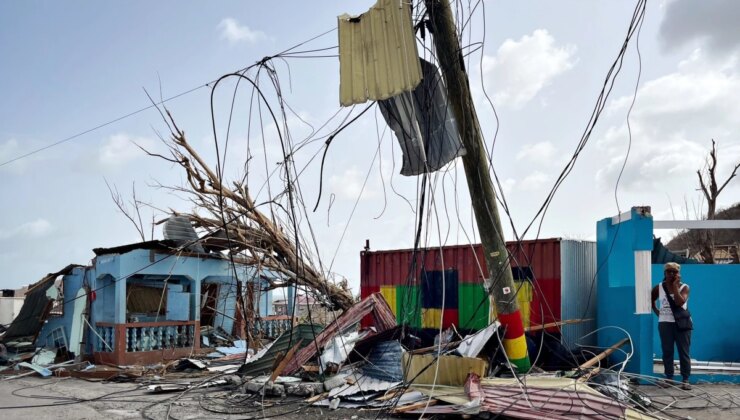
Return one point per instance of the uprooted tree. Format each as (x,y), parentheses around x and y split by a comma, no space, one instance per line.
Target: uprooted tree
(228,219)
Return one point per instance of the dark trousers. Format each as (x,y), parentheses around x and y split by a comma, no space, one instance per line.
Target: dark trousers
(670,336)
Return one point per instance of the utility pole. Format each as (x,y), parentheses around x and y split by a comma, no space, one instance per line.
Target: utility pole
(500,281)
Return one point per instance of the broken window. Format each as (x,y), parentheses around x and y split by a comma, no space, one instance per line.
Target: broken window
(56,295)
(145,301)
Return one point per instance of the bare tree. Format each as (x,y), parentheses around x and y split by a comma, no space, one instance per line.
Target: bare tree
(133,215)
(233,223)
(711,190)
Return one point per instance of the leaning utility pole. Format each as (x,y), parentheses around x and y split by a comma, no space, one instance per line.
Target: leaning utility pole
(500,281)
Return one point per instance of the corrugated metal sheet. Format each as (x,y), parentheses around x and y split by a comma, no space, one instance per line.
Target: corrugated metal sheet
(390,296)
(542,257)
(408,306)
(385,362)
(551,398)
(474,306)
(263,365)
(377,53)
(35,309)
(383,319)
(578,289)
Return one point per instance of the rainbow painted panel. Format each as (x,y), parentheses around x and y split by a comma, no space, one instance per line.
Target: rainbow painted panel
(473,306)
(408,308)
(431,318)
(439,289)
(390,295)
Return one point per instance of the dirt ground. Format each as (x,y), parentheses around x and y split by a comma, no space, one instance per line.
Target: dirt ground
(37,398)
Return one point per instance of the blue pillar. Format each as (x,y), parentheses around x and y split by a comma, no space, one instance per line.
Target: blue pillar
(623,243)
(120,299)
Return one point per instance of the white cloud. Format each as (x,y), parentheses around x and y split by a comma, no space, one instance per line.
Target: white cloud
(673,121)
(121,148)
(538,153)
(233,32)
(348,185)
(521,69)
(34,229)
(508,185)
(12,149)
(534,181)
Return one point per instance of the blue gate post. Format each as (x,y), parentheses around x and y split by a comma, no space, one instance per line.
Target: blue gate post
(623,246)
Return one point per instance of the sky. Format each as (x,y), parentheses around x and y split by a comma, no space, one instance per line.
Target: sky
(68,67)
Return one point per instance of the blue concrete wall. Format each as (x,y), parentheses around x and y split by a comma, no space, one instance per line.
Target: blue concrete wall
(71,285)
(714,309)
(615,254)
(712,301)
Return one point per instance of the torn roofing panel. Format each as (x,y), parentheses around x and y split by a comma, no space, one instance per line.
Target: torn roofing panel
(282,344)
(35,309)
(377,53)
(423,123)
(556,398)
(374,304)
(384,362)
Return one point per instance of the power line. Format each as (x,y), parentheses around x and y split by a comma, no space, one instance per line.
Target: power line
(97,127)
(153,105)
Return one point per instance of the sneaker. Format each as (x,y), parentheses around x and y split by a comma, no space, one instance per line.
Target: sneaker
(686,386)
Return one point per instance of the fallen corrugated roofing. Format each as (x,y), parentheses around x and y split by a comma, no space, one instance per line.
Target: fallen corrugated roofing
(264,364)
(374,304)
(363,385)
(377,53)
(384,362)
(35,309)
(550,396)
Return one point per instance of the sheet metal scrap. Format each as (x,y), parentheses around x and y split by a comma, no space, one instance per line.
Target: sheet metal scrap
(383,319)
(550,396)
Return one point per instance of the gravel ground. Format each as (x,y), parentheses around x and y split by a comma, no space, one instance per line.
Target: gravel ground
(37,398)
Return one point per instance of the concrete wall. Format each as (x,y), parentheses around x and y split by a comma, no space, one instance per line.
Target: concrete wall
(616,247)
(621,246)
(71,286)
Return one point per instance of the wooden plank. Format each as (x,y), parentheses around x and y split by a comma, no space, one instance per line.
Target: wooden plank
(556,324)
(288,357)
(589,363)
(414,406)
(317,398)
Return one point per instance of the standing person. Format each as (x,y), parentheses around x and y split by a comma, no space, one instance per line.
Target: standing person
(670,334)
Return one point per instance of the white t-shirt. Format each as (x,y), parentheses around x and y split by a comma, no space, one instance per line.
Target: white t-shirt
(666,314)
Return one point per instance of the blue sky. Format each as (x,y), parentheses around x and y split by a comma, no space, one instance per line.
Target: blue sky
(69,66)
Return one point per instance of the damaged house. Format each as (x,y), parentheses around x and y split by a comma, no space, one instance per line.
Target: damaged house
(137,304)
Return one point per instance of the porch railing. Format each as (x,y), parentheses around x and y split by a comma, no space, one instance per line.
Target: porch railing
(145,336)
(272,327)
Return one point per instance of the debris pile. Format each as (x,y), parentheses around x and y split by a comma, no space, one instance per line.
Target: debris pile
(382,368)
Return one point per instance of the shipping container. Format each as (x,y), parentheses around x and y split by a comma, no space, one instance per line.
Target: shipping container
(443,286)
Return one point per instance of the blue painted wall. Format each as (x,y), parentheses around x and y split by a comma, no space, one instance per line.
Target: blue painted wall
(109,274)
(615,254)
(714,309)
(71,285)
(712,301)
